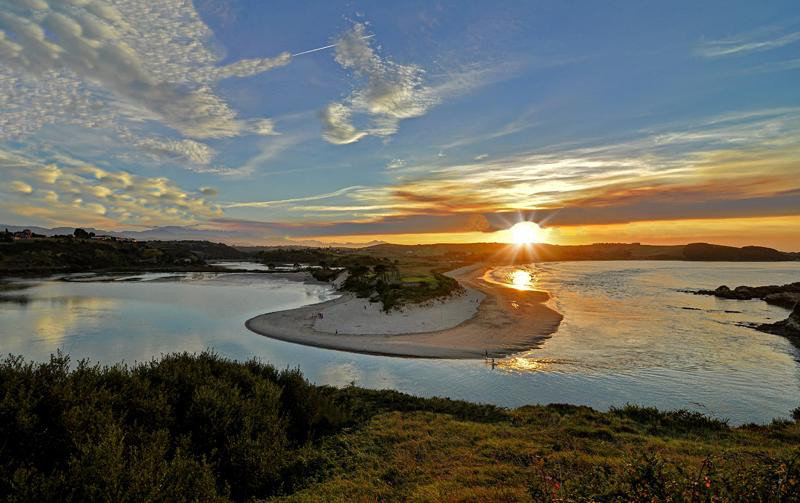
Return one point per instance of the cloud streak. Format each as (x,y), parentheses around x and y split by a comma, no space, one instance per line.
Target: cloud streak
(285,202)
(740,164)
(744,44)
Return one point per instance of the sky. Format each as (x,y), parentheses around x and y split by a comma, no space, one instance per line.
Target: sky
(413,122)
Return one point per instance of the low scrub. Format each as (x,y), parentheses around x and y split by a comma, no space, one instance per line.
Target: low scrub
(204,428)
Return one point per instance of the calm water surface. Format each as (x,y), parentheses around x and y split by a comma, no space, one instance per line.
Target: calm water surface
(629,335)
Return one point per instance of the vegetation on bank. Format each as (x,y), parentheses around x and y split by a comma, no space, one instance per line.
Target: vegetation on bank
(385,283)
(203,428)
(393,281)
(82,253)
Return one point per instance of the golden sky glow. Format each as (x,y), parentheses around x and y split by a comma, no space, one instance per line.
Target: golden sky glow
(777,232)
(394,133)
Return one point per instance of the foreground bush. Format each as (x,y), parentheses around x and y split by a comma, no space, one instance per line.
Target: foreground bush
(203,428)
(183,428)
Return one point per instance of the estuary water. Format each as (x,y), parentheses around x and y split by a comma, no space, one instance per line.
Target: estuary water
(630,334)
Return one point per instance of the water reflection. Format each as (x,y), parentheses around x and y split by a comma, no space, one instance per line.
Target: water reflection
(518,278)
(521,280)
(526,364)
(629,335)
(62,317)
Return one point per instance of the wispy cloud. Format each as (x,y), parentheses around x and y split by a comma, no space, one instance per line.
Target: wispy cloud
(286,202)
(777,66)
(269,150)
(740,164)
(745,44)
(392,92)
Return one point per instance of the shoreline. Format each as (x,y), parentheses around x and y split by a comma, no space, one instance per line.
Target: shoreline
(488,319)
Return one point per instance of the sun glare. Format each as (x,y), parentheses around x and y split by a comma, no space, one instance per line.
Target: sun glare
(521,280)
(524,233)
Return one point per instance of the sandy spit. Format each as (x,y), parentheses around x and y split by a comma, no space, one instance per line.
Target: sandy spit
(487,319)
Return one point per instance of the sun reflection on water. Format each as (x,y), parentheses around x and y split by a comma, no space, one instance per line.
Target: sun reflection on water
(523,364)
(521,280)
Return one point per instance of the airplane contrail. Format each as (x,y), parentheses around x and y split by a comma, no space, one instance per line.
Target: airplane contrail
(325,47)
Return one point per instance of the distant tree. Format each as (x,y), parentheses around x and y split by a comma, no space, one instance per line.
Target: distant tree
(358,272)
(81,234)
(380,271)
(395,271)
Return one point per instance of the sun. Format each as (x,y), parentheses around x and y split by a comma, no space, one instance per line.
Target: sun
(524,233)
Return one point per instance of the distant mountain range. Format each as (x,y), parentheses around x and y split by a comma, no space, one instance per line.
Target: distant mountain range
(176,233)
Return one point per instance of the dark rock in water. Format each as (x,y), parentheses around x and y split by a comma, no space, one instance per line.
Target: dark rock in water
(787,296)
(783,299)
(779,295)
(790,327)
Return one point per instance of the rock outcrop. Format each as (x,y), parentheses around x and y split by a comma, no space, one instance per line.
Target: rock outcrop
(790,327)
(779,295)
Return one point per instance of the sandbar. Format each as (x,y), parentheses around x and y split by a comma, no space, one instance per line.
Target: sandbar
(486,319)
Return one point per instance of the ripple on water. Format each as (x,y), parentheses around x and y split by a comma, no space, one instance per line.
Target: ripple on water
(625,336)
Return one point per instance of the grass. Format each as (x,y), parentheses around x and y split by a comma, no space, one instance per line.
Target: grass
(203,428)
(561,453)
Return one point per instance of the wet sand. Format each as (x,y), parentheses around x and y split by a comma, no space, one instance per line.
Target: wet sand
(488,318)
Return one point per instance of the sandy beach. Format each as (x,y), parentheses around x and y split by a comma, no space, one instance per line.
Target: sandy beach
(486,318)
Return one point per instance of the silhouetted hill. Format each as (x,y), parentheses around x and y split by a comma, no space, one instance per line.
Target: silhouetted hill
(705,251)
(203,249)
(66,254)
(498,252)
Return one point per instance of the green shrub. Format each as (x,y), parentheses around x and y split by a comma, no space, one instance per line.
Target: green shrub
(197,427)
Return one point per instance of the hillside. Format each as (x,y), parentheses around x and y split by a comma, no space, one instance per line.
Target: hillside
(66,254)
(206,250)
(202,428)
(502,253)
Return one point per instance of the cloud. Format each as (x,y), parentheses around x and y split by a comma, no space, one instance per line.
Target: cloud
(72,192)
(247,67)
(190,150)
(395,163)
(119,66)
(480,157)
(21,187)
(285,202)
(738,164)
(744,44)
(336,126)
(269,150)
(777,66)
(391,92)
